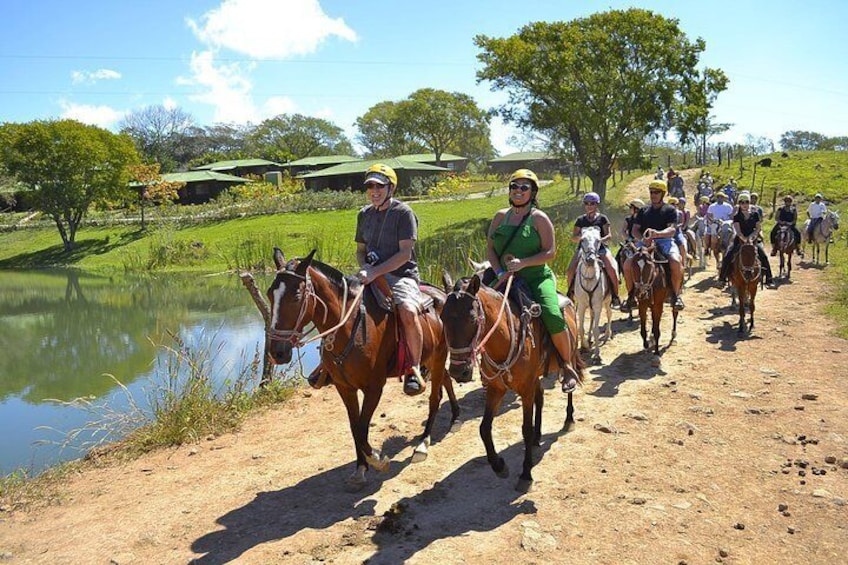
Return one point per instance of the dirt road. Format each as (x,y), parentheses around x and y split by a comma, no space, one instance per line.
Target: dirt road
(734,451)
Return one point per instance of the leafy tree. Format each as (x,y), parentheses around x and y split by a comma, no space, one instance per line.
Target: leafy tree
(295,136)
(68,166)
(383,132)
(152,188)
(603,82)
(160,134)
(447,121)
(798,140)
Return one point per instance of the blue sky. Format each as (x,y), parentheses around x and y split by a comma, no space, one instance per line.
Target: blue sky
(246,60)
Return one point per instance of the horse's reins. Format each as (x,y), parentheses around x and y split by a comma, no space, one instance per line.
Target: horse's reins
(749,272)
(597,277)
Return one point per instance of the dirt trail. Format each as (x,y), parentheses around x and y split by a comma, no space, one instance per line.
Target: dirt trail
(733,451)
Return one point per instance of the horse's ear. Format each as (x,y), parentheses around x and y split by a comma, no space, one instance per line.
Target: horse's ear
(279,259)
(473,285)
(479,267)
(304,264)
(447,281)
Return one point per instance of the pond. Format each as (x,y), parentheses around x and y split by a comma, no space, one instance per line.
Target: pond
(65,335)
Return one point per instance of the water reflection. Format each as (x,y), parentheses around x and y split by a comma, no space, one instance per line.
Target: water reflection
(61,331)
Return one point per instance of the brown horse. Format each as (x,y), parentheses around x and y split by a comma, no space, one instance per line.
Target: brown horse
(652,289)
(745,276)
(785,247)
(358,351)
(515,351)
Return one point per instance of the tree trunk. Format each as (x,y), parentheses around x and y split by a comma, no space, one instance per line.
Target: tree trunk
(599,185)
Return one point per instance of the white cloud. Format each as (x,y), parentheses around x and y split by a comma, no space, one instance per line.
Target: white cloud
(169,103)
(102,116)
(277,105)
(78,77)
(269,28)
(226,87)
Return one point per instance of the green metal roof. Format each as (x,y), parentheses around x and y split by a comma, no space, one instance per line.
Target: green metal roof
(359,167)
(424,157)
(322,160)
(229,165)
(523,156)
(200,176)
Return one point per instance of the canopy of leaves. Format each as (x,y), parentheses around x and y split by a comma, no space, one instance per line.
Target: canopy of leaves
(428,120)
(289,137)
(69,166)
(162,135)
(798,140)
(603,82)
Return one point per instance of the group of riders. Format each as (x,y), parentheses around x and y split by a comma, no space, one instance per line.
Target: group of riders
(520,239)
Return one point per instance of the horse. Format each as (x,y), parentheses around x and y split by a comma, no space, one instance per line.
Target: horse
(515,351)
(722,240)
(625,252)
(357,350)
(592,291)
(745,277)
(785,247)
(822,234)
(652,288)
(699,232)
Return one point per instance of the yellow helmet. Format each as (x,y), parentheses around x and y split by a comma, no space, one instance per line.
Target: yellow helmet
(524,174)
(673,201)
(705,199)
(382,174)
(658,185)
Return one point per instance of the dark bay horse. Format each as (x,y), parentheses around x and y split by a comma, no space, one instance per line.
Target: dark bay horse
(652,289)
(515,352)
(785,247)
(745,276)
(357,351)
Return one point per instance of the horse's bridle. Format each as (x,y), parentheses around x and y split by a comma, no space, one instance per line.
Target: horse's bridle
(644,287)
(591,256)
(749,272)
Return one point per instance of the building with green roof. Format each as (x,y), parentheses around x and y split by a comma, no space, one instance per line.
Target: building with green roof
(538,161)
(455,163)
(347,176)
(202,186)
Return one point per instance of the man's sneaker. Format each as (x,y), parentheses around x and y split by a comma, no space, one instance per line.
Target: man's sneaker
(628,305)
(413,384)
(774,252)
(678,304)
(770,283)
(616,301)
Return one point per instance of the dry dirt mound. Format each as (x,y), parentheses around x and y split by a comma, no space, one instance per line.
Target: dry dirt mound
(733,451)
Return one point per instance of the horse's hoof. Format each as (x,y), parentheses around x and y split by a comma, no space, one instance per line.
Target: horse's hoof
(503,471)
(455,427)
(378,463)
(596,360)
(567,426)
(524,485)
(656,361)
(419,456)
(354,483)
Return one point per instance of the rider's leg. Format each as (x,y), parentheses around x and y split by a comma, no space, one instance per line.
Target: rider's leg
(563,345)
(413,334)
(773,239)
(764,263)
(628,304)
(676,266)
(724,272)
(570,273)
(609,267)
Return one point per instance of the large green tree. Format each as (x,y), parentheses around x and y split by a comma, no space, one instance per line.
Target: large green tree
(603,82)
(68,166)
(294,136)
(384,133)
(447,121)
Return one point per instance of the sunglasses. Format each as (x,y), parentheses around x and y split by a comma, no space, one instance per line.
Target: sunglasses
(523,187)
(586,203)
(374,186)
(655,191)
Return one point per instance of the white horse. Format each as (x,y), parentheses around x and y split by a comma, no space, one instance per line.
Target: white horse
(821,235)
(592,291)
(722,239)
(699,230)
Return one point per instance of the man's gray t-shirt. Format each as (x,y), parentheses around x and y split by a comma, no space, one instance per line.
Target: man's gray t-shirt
(382,232)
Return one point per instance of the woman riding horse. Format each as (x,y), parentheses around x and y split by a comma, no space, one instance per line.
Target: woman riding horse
(787,215)
(521,240)
(594,218)
(747,227)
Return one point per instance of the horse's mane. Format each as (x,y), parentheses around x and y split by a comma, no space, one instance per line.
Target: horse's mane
(336,277)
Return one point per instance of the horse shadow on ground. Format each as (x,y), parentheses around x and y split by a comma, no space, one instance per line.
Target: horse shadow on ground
(625,367)
(704,285)
(727,336)
(470,499)
(812,265)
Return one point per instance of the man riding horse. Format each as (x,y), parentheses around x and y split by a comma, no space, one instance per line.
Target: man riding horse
(787,215)
(816,212)
(747,227)
(657,223)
